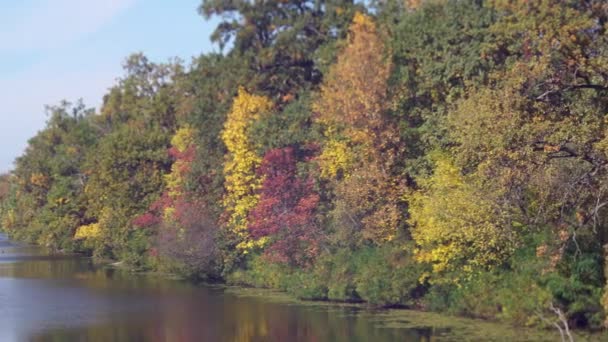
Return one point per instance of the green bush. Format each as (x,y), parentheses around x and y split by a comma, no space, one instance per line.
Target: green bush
(260,273)
(307,286)
(387,276)
(379,276)
(337,271)
(439,297)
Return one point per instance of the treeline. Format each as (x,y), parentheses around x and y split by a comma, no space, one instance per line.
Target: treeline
(446,155)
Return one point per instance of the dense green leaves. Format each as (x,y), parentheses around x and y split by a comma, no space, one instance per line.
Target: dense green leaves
(280,40)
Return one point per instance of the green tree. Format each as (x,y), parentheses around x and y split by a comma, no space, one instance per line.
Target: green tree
(279,40)
(49,178)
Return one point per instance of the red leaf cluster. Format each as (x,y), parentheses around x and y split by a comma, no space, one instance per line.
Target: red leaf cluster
(146,220)
(286,210)
(154,214)
(186,156)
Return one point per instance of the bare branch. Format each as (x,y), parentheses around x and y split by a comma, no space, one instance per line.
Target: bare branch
(568,88)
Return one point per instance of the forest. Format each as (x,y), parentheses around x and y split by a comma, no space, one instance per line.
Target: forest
(440,155)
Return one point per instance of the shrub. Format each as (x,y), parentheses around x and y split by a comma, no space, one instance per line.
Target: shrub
(387,276)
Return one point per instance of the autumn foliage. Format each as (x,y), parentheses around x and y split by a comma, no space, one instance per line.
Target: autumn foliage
(286,212)
(447,155)
(242,180)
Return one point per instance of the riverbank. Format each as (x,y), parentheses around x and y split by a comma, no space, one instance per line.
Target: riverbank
(55,297)
(106,278)
(441,326)
(451,327)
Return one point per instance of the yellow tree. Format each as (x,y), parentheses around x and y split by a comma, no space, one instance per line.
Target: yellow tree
(457,223)
(359,150)
(241,181)
(352,98)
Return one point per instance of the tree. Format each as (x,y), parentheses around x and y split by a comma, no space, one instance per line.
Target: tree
(185,232)
(459,224)
(242,181)
(190,240)
(126,172)
(147,95)
(207,95)
(5,187)
(362,144)
(537,129)
(49,178)
(285,215)
(351,98)
(436,51)
(279,40)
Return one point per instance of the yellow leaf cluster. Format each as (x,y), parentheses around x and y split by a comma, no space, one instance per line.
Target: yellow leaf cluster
(362,21)
(336,158)
(39,179)
(62,201)
(456,224)
(169,214)
(72,150)
(241,181)
(182,140)
(8,219)
(89,231)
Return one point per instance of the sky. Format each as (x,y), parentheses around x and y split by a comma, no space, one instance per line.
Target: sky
(54,50)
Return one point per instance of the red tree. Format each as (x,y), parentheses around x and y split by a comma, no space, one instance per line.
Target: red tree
(286,210)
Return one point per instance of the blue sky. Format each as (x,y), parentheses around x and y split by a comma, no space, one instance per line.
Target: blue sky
(52,50)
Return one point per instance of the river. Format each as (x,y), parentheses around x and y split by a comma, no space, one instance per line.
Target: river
(46,297)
